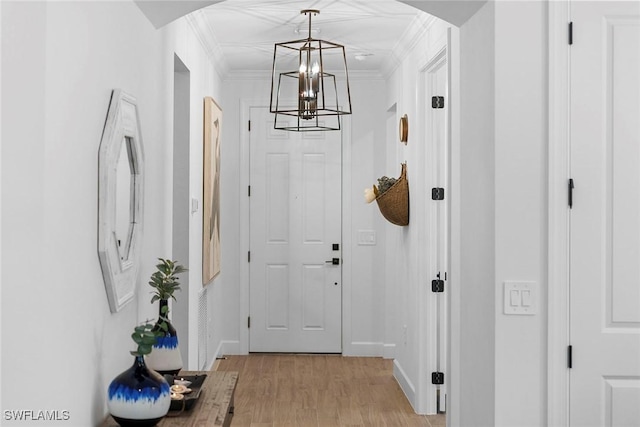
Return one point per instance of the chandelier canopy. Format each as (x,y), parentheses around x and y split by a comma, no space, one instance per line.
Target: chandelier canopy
(309,84)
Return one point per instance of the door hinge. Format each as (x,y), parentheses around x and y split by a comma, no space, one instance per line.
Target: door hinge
(570,357)
(248,191)
(248,256)
(437,102)
(249,125)
(437,193)
(249,322)
(570,33)
(571,187)
(437,378)
(437,285)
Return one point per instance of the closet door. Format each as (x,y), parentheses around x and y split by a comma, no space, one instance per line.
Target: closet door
(605,218)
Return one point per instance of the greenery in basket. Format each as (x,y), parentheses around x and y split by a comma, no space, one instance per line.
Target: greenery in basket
(145,338)
(384,183)
(165,280)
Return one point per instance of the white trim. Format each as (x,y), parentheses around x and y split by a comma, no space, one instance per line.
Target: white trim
(414,33)
(425,398)
(201,28)
(454,332)
(229,347)
(224,348)
(245,114)
(366,349)
(404,382)
(260,75)
(389,351)
(348,348)
(347,242)
(558,233)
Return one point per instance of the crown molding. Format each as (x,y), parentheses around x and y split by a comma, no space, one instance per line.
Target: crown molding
(248,75)
(414,33)
(245,75)
(201,28)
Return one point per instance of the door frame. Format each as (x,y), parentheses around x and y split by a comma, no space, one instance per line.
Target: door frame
(245,113)
(558,326)
(427,319)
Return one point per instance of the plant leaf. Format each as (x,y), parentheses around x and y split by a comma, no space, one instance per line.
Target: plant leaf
(144,349)
(146,340)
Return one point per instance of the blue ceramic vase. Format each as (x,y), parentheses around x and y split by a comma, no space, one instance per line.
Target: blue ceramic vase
(139,397)
(165,357)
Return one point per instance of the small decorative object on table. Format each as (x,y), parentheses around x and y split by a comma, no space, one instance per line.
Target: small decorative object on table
(392,196)
(165,357)
(139,396)
(185,391)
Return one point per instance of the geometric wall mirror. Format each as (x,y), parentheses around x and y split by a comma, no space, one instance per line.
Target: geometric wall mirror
(120,199)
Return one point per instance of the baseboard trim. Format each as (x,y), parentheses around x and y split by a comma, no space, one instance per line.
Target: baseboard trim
(364,349)
(405,383)
(389,351)
(224,347)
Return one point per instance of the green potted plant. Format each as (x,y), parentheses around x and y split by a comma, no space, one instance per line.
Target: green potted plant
(139,396)
(165,357)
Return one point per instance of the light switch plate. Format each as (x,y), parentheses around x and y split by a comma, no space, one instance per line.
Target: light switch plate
(521,298)
(366,237)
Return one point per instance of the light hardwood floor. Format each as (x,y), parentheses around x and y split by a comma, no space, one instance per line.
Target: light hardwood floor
(318,391)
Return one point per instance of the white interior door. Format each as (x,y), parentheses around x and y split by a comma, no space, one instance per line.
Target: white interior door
(295,221)
(605,218)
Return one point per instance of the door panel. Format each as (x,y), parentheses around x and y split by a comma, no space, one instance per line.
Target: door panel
(295,217)
(605,219)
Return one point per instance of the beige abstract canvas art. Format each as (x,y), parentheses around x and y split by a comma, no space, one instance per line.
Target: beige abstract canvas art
(211,190)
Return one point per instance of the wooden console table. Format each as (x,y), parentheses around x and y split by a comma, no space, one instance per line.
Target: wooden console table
(213,408)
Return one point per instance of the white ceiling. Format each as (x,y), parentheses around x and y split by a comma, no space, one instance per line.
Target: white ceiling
(241,33)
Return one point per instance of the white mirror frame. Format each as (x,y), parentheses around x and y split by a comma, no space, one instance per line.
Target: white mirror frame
(119,274)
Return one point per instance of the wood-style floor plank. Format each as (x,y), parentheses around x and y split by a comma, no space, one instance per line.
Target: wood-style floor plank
(319,391)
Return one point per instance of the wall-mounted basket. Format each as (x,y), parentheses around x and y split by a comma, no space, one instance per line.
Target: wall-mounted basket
(394,203)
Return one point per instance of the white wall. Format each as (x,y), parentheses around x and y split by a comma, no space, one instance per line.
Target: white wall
(501,173)
(407,248)
(498,218)
(60,62)
(362,285)
(368,140)
(476,254)
(520,207)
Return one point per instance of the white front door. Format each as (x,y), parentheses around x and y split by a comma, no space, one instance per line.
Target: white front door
(605,218)
(295,235)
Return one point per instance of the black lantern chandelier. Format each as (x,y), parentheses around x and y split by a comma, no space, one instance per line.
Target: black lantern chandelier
(309,84)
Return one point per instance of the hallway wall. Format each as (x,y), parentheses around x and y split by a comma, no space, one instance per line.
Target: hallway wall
(502,174)
(475,248)
(59,64)
(60,61)
(362,285)
(406,250)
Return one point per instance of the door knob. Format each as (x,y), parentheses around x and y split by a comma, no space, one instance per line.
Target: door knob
(334,261)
